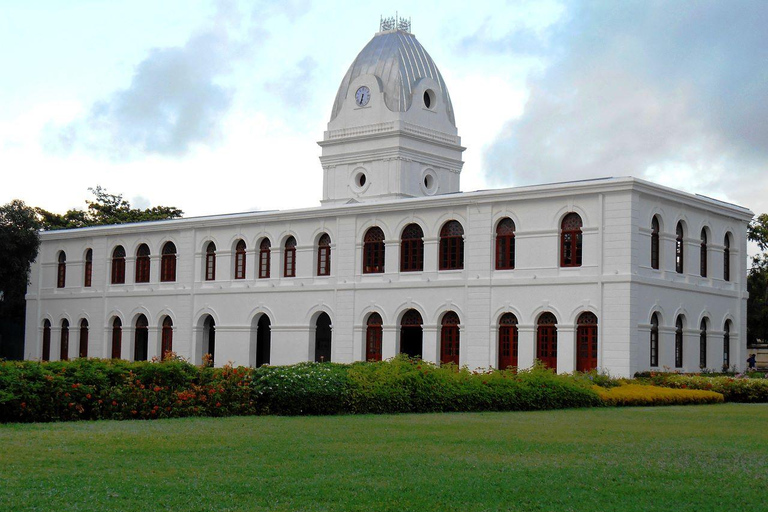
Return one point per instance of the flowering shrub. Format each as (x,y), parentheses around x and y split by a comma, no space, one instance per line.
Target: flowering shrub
(734,389)
(639,394)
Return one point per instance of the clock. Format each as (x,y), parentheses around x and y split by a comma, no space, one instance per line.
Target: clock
(362,96)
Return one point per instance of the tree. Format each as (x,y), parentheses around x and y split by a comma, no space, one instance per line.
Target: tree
(757,282)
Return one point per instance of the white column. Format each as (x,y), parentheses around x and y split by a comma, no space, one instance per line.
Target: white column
(526,345)
(430,343)
(389,341)
(566,348)
(666,348)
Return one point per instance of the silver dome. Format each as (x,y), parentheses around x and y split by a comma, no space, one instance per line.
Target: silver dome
(399,61)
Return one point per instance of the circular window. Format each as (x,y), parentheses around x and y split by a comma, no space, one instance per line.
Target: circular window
(429,99)
(361,180)
(429,182)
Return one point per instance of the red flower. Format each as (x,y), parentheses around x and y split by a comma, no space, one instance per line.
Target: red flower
(134,412)
(157,388)
(218,404)
(23,405)
(114,403)
(88,396)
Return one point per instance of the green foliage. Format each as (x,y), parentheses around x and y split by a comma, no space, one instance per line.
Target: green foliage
(757,282)
(19,241)
(105,209)
(734,389)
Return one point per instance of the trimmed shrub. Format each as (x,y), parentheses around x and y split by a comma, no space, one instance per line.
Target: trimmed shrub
(638,394)
(733,389)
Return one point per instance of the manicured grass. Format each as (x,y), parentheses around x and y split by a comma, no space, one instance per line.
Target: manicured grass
(699,458)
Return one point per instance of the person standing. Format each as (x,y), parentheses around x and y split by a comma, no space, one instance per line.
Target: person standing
(751,361)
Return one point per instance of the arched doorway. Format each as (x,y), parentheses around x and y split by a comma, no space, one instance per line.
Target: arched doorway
(507,341)
(117,337)
(46,355)
(546,340)
(83,348)
(323,338)
(373,334)
(411,334)
(209,339)
(166,345)
(64,352)
(586,342)
(141,339)
(449,338)
(263,340)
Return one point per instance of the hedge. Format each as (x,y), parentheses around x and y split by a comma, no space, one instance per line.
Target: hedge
(734,389)
(638,394)
(113,389)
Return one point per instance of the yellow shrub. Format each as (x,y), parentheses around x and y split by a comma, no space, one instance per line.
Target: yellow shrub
(637,394)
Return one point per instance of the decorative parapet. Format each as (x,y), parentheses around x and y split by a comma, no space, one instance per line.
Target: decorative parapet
(391,126)
(395,23)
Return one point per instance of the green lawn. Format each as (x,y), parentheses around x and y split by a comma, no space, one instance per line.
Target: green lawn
(666,458)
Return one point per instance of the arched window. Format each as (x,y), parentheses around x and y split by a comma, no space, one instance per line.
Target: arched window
(209,340)
(411,333)
(240,260)
(727,257)
(210,262)
(289,258)
(546,340)
(373,251)
(117,338)
(64,352)
(88,270)
(83,348)
(412,249)
(46,355)
(703,343)
(263,330)
(655,243)
(507,341)
(505,244)
(141,339)
(679,342)
(449,338)
(373,334)
(727,345)
(166,345)
(168,263)
(118,265)
(570,241)
(264,257)
(61,275)
(703,253)
(323,338)
(452,246)
(142,264)
(586,342)
(654,340)
(324,255)
(679,251)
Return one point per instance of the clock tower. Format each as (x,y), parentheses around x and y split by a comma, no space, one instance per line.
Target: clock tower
(392,133)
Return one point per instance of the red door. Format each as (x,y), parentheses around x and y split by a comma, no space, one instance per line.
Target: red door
(373,338)
(449,339)
(507,346)
(546,345)
(586,342)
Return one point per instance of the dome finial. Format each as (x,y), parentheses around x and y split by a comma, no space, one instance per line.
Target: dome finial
(395,23)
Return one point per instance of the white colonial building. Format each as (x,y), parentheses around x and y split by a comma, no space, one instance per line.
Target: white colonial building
(616,273)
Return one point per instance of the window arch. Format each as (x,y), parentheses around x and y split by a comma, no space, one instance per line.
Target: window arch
(46,355)
(261,330)
(679,342)
(546,340)
(141,339)
(452,246)
(324,255)
(655,228)
(240,260)
(679,250)
(507,341)
(727,257)
(61,274)
(449,338)
(142,264)
(64,338)
(411,333)
(166,345)
(323,337)
(88,270)
(505,244)
(571,240)
(168,263)
(412,249)
(117,337)
(373,335)
(703,253)
(118,265)
(210,261)
(586,342)
(654,340)
(83,348)
(209,340)
(289,257)
(373,251)
(265,249)
(727,345)
(703,343)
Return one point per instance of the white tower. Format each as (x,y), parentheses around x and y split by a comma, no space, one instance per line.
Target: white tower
(392,132)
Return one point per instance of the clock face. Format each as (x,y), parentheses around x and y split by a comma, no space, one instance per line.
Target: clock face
(362,96)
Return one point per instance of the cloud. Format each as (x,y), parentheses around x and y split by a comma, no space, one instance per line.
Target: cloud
(670,92)
(294,86)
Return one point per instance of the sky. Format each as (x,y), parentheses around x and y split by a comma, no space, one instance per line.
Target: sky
(215,106)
